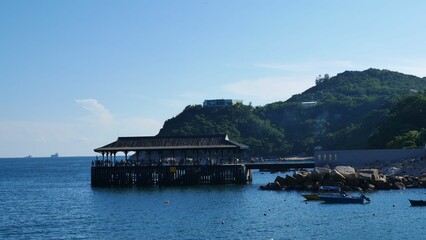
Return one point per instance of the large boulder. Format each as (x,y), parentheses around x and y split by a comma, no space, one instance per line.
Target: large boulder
(328,182)
(346,171)
(337,176)
(280,180)
(368,174)
(288,181)
(319,173)
(411,182)
(370,187)
(382,185)
(316,176)
(308,185)
(382,178)
(398,186)
(353,182)
(365,176)
(422,177)
(275,186)
(323,170)
(301,177)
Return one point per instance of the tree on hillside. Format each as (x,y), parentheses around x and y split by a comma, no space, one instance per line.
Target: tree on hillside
(404,127)
(320,79)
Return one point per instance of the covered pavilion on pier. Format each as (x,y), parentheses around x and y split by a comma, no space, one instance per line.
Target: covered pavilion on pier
(175,150)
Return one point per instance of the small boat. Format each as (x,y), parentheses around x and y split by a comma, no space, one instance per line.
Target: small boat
(56,155)
(417,202)
(343,198)
(315,196)
(311,197)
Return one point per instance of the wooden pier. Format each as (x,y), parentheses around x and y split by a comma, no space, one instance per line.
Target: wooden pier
(178,160)
(169,175)
(186,174)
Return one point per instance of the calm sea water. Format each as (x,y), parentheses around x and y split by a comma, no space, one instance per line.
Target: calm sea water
(44,198)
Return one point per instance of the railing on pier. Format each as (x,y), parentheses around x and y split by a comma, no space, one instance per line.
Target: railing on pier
(169,175)
(108,173)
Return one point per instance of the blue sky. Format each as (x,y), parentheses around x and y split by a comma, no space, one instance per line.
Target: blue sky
(75,75)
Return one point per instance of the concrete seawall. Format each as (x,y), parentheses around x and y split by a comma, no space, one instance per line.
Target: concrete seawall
(365,158)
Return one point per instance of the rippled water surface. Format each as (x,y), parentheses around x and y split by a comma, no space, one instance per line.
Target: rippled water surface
(44,198)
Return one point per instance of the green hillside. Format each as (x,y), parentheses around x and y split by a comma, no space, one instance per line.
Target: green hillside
(349,108)
(404,126)
(239,121)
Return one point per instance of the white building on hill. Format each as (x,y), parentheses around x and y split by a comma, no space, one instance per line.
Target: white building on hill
(309,104)
(221,102)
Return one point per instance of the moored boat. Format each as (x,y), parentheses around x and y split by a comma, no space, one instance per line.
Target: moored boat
(343,198)
(311,197)
(315,196)
(417,202)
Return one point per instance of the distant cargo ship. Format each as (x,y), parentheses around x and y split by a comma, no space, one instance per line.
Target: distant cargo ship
(56,155)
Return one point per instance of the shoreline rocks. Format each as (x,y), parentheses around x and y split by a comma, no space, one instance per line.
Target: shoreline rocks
(348,178)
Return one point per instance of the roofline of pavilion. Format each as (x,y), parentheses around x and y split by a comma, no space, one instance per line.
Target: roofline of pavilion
(130,149)
(231,145)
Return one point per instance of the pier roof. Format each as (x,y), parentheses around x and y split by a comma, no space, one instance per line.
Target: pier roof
(126,144)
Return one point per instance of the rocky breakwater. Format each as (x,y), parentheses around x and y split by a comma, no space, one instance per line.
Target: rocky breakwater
(348,178)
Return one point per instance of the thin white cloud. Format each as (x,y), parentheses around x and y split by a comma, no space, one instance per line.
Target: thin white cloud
(104,123)
(137,126)
(83,139)
(96,109)
(78,137)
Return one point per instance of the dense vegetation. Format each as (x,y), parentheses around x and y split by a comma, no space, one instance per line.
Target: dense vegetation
(354,110)
(239,121)
(405,125)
